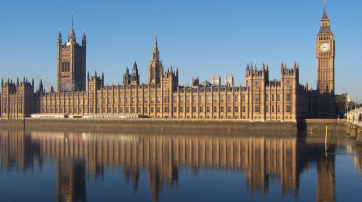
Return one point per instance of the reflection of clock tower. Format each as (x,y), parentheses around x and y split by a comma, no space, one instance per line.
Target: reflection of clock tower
(325,51)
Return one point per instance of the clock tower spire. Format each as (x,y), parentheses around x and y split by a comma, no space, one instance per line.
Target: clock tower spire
(325,53)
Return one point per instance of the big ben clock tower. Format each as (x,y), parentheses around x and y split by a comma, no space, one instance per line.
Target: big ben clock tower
(325,53)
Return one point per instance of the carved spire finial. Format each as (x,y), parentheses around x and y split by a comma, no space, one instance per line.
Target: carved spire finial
(72,22)
(325,16)
(155,54)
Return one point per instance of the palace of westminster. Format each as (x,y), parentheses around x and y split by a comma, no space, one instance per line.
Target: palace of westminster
(83,95)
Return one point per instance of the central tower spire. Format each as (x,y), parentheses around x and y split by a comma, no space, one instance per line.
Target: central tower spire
(155,69)
(155,53)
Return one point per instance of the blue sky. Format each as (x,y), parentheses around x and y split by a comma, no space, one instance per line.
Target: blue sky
(199,37)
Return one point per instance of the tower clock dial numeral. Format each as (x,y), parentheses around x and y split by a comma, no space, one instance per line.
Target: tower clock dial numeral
(324,47)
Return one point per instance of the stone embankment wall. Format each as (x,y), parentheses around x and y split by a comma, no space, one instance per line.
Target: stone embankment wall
(176,124)
(319,125)
(154,124)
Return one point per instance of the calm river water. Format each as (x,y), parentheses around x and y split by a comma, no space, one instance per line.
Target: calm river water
(176,166)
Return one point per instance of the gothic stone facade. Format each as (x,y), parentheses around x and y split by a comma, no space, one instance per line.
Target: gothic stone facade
(18,99)
(260,99)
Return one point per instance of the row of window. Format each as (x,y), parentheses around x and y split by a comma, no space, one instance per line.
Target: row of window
(165,100)
(287,97)
(257,84)
(19,92)
(20,110)
(20,102)
(166,109)
(66,67)
(287,109)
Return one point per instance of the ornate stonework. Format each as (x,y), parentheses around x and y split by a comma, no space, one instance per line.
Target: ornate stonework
(71,64)
(261,99)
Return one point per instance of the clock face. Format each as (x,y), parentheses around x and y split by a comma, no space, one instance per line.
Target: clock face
(324,47)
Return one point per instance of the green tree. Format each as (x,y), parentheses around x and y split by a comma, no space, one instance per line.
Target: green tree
(341,104)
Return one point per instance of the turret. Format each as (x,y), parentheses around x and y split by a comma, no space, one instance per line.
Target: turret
(72,39)
(290,77)
(102,79)
(72,34)
(59,38)
(84,40)
(40,87)
(289,72)
(195,82)
(135,76)
(126,77)
(252,73)
(216,80)
(229,80)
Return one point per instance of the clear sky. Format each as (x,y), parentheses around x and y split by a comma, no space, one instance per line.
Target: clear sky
(200,37)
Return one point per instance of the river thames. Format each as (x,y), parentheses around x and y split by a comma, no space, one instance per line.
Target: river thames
(185,165)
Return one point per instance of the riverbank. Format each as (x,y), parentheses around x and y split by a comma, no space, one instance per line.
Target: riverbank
(169,124)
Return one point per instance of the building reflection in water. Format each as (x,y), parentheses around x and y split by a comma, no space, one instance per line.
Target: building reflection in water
(81,156)
(357,159)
